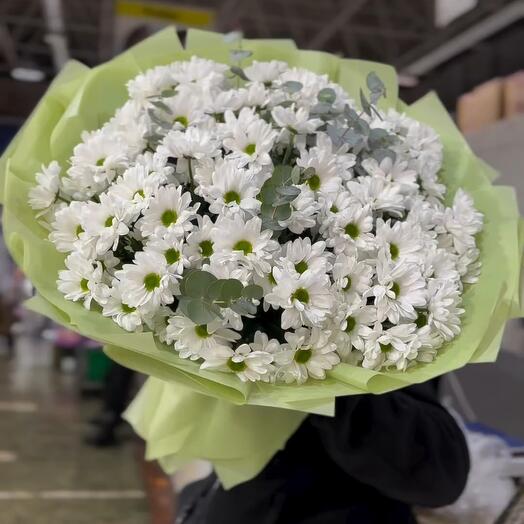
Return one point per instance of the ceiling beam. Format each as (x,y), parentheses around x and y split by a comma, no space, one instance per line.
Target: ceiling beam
(343,18)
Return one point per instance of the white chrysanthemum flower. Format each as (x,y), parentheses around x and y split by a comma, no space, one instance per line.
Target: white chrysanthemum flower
(244,242)
(462,221)
(172,248)
(396,172)
(399,241)
(304,209)
(444,309)
(248,138)
(150,83)
(44,194)
(400,288)
(377,193)
(136,186)
(321,161)
(105,222)
(310,354)
(351,226)
(351,323)
(197,69)
(95,163)
(305,298)
(146,283)
(382,345)
(200,243)
(351,278)
(232,189)
(82,280)
(194,341)
(195,142)
(249,366)
(296,121)
(183,109)
(66,227)
(127,317)
(169,210)
(441,265)
(265,72)
(300,255)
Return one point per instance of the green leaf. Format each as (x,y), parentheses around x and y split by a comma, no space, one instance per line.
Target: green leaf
(281,175)
(168,93)
(378,137)
(288,191)
(238,71)
(375,85)
(292,86)
(237,55)
(160,105)
(381,153)
(366,106)
(199,311)
(327,95)
(253,292)
(244,307)
(224,291)
(197,283)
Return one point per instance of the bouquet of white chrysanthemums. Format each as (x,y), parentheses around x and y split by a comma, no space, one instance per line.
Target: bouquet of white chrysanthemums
(260,222)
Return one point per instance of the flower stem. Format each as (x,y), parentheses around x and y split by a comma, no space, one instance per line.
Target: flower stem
(190,171)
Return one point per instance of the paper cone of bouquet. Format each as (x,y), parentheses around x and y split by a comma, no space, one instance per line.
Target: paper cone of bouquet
(233,413)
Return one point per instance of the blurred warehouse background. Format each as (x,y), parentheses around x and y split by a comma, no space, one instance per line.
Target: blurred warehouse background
(471,52)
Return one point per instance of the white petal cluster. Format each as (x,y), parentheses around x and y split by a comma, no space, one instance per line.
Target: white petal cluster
(359,259)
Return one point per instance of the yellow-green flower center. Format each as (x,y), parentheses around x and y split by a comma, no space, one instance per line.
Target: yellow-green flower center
(236,367)
(128,309)
(206,248)
(302,356)
(169,217)
(172,255)
(352,230)
(100,162)
(350,324)
(182,120)
(314,182)
(395,288)
(232,196)
(243,245)
(347,287)
(151,281)
(109,221)
(385,347)
(79,230)
(250,149)
(334,209)
(301,266)
(422,319)
(201,331)
(301,295)
(140,193)
(83,285)
(394,251)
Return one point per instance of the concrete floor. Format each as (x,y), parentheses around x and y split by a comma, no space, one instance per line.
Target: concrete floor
(47,475)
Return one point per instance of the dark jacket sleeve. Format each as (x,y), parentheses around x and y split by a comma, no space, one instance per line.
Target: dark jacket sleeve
(404,444)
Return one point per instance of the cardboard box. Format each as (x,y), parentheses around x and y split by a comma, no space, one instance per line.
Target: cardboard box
(514,94)
(482,106)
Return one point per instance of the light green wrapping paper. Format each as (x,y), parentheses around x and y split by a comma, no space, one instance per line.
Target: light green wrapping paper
(184,413)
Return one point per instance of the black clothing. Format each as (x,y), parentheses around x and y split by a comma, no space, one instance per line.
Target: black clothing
(377,457)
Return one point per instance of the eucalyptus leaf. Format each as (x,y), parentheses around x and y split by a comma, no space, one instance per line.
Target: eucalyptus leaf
(238,71)
(366,106)
(237,55)
(160,105)
(253,292)
(292,86)
(375,85)
(244,307)
(378,137)
(224,291)
(327,95)
(381,153)
(197,283)
(168,93)
(197,310)
(288,191)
